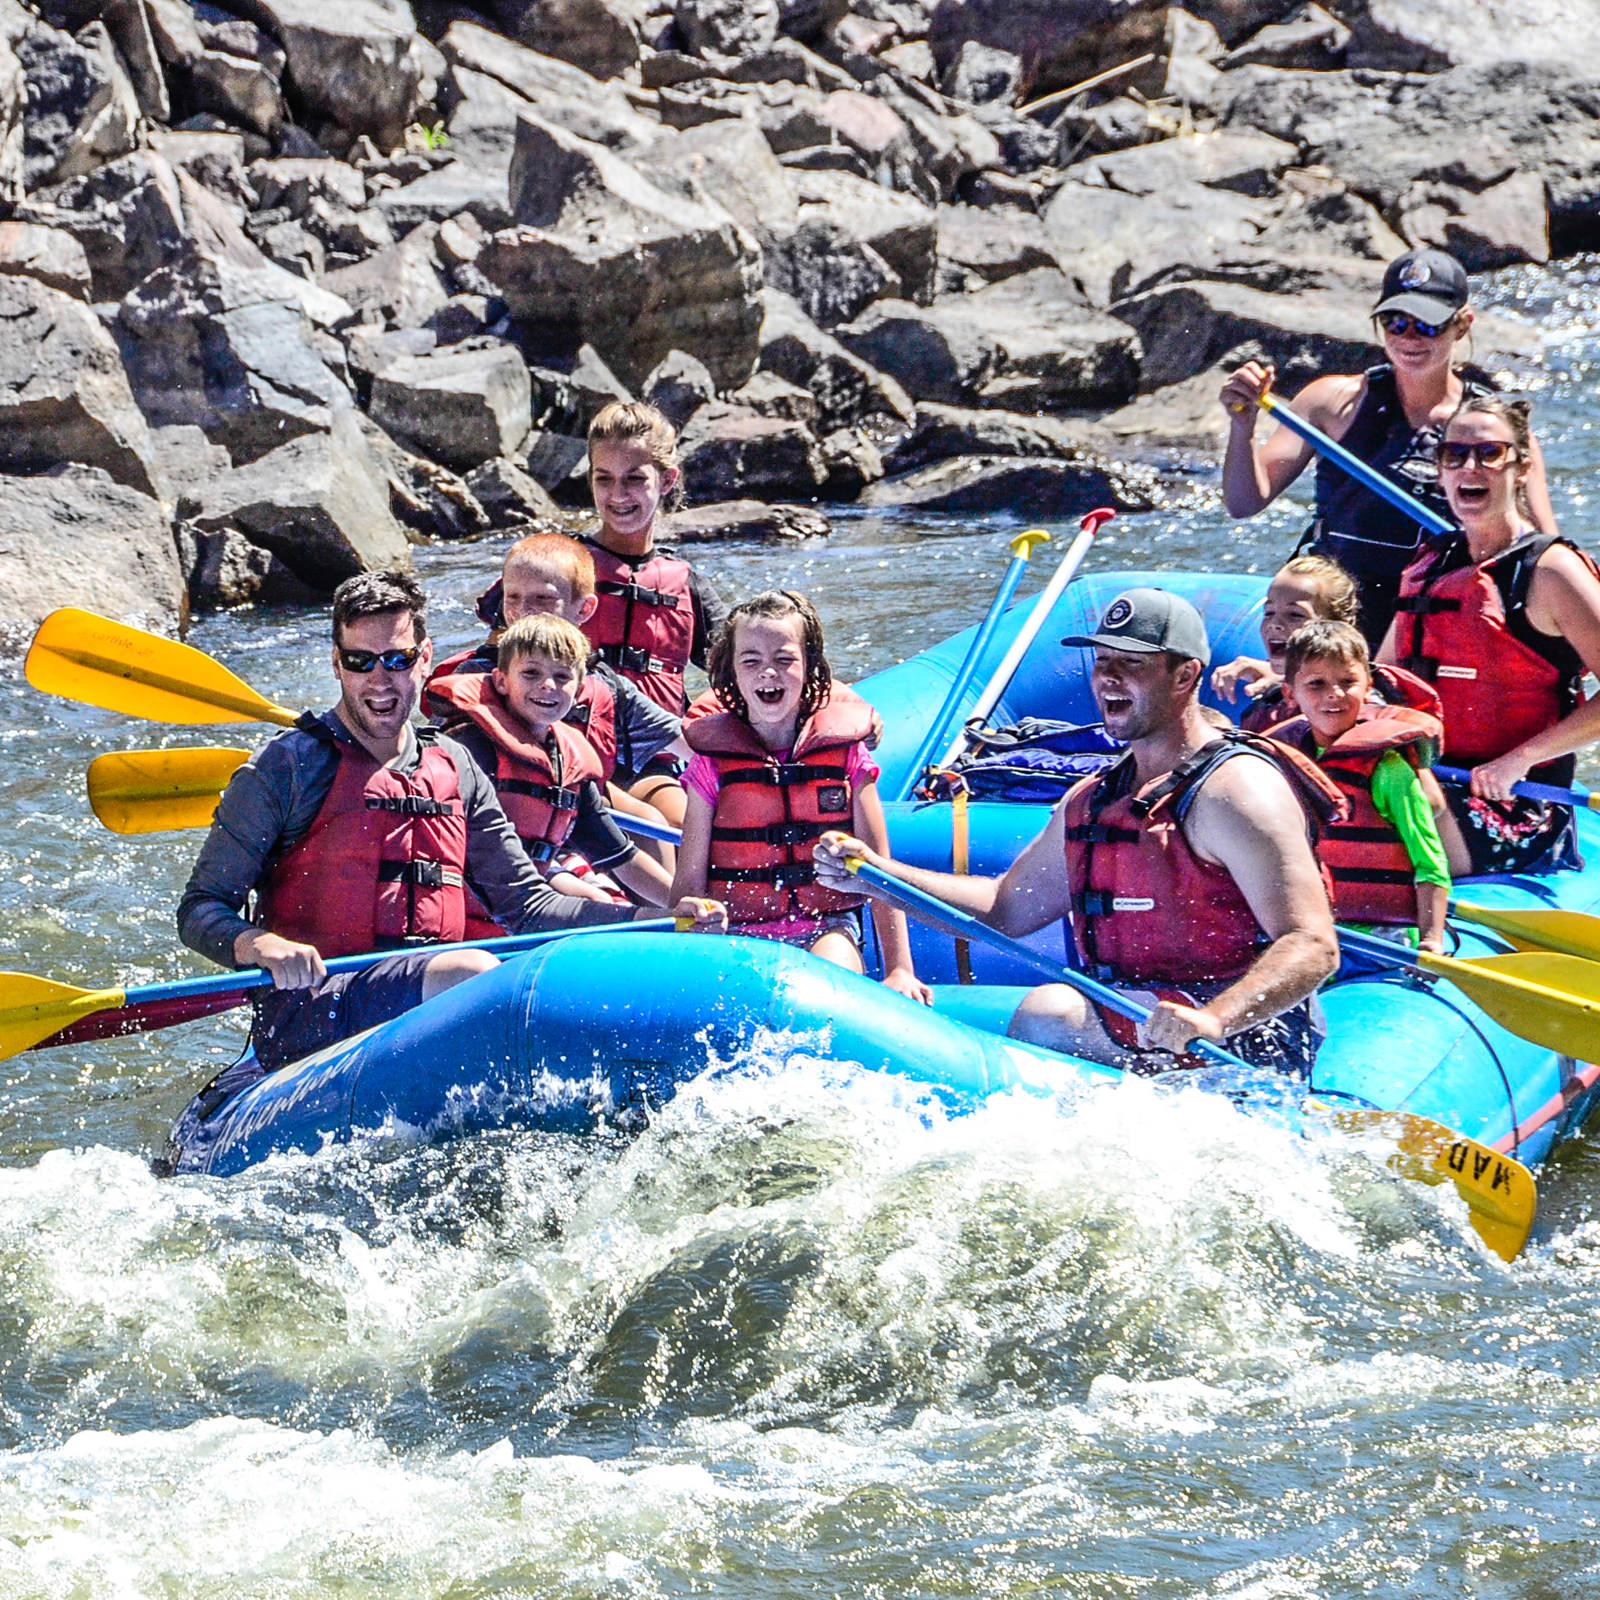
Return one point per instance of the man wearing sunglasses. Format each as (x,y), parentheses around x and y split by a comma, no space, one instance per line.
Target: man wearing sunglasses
(1391,416)
(357,831)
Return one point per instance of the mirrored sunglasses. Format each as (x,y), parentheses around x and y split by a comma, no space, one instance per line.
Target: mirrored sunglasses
(390,660)
(1490,454)
(1399,322)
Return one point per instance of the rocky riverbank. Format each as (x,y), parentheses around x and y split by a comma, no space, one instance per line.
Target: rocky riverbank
(291,284)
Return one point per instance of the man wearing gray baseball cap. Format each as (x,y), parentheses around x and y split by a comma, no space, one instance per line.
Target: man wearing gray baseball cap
(1187,869)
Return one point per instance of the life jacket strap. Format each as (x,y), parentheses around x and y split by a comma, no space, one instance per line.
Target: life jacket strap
(422,874)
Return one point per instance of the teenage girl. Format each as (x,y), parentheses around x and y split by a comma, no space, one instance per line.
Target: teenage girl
(781,765)
(1390,416)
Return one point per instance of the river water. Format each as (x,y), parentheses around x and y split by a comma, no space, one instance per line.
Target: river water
(800,1337)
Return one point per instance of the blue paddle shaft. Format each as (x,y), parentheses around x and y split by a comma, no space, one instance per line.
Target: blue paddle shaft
(1057,972)
(963,677)
(1358,469)
(1460,778)
(258,978)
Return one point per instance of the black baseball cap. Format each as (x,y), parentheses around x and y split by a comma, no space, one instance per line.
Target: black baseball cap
(1147,620)
(1430,285)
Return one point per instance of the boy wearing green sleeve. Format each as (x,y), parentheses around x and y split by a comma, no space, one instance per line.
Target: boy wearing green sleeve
(1386,861)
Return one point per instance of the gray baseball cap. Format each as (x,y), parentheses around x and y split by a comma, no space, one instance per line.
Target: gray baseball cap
(1147,620)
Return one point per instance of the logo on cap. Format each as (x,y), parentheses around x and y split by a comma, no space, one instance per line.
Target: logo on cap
(1414,274)
(1119,613)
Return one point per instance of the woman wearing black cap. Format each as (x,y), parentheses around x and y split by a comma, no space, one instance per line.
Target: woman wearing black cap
(1390,416)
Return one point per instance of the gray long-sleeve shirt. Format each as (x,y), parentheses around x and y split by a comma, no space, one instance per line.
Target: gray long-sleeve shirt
(273,799)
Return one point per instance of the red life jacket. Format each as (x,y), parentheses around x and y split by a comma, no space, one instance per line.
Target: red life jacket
(1391,686)
(382,865)
(1372,872)
(771,813)
(594,715)
(1147,909)
(1472,641)
(644,622)
(537,783)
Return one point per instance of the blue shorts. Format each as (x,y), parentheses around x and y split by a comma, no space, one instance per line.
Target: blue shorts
(291,1023)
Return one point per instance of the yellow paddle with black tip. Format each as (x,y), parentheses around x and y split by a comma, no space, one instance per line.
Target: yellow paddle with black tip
(82,656)
(1500,1192)
(149,791)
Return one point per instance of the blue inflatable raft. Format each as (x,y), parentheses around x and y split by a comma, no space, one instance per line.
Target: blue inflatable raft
(574,1032)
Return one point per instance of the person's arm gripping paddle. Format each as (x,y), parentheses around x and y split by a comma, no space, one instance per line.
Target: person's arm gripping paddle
(1254,475)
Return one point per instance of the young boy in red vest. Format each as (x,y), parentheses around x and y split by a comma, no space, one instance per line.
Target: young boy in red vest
(545,773)
(1386,860)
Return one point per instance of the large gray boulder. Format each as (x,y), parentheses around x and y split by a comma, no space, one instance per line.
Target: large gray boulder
(899,227)
(76,537)
(604,256)
(63,393)
(13,95)
(744,521)
(459,407)
(601,36)
(1237,159)
(732,28)
(833,274)
(849,392)
(319,503)
(1059,487)
(402,286)
(1417,36)
(222,339)
(360,63)
(934,353)
(1189,327)
(983,244)
(945,431)
(1473,126)
(81,105)
(50,255)
(557,90)
(728,451)
(730,163)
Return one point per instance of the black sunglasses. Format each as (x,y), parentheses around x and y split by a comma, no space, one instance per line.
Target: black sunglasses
(1397,322)
(1489,454)
(389,660)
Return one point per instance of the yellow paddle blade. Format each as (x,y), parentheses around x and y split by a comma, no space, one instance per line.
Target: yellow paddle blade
(81,656)
(146,791)
(1547,999)
(1499,1191)
(1573,933)
(32,1008)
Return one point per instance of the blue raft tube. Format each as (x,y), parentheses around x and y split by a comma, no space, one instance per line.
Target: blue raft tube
(566,1035)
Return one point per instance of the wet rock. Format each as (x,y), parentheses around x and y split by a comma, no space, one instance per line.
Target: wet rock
(1379,134)
(50,255)
(424,496)
(230,571)
(318,502)
(1189,327)
(743,521)
(678,386)
(982,75)
(933,353)
(360,63)
(1112,243)
(126,215)
(559,91)
(831,274)
(852,461)
(460,408)
(732,164)
(77,537)
(989,244)
(81,106)
(1495,226)
(608,258)
(402,286)
(511,497)
(1024,486)
(1413,36)
(849,391)
(63,392)
(557,462)
(902,230)
(768,395)
(601,36)
(1027,341)
(727,450)
(222,339)
(1246,163)
(1313,40)
(736,28)
(942,432)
